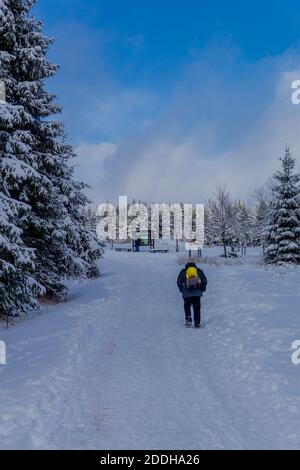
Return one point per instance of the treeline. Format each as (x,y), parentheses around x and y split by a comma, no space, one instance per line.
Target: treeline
(272,221)
(234,224)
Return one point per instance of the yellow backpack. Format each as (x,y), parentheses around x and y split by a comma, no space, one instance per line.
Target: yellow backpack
(193,280)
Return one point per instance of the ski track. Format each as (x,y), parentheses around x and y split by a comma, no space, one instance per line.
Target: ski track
(114,368)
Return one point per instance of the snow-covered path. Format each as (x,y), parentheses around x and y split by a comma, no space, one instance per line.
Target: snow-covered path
(114,368)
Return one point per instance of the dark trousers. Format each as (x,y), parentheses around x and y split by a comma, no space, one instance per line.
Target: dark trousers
(196,303)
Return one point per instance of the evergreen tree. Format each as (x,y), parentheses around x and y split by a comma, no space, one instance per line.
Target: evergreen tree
(35,159)
(283,234)
(18,287)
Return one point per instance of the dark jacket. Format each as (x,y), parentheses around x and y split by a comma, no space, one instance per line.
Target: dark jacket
(181,282)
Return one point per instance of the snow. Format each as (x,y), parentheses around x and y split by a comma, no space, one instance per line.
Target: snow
(114,367)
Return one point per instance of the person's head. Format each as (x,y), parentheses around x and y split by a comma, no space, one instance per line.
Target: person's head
(190,265)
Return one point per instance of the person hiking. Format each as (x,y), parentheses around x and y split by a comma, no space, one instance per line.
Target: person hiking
(138,243)
(192,283)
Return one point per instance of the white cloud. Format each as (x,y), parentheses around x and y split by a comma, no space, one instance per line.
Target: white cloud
(228,127)
(119,111)
(226,120)
(90,164)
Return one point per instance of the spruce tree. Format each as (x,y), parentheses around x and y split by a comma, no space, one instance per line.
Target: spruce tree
(283,234)
(18,287)
(35,158)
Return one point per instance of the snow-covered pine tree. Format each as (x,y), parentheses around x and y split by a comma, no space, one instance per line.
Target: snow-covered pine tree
(18,288)
(90,213)
(283,234)
(35,160)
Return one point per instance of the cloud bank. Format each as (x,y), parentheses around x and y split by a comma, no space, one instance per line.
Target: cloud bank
(225,120)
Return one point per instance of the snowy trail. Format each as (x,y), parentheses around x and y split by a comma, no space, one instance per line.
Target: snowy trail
(114,368)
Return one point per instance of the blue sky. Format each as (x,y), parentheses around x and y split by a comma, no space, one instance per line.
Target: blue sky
(164,98)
